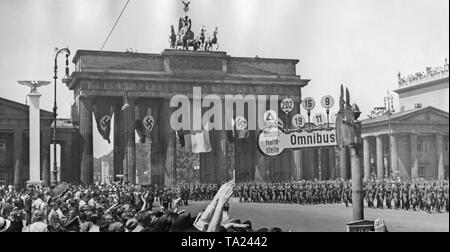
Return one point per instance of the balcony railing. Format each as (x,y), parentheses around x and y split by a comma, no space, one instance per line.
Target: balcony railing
(421,78)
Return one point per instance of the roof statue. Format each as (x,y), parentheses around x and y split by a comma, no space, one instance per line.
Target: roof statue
(186,6)
(34,84)
(185,38)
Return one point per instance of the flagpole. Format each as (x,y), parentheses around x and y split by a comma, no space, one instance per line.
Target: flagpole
(124,109)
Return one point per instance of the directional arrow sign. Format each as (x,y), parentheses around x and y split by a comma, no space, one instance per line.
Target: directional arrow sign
(272,141)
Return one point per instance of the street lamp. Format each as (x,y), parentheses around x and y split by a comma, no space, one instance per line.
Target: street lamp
(124,108)
(55,107)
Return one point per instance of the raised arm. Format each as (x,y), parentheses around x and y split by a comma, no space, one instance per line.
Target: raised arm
(223,198)
(209,211)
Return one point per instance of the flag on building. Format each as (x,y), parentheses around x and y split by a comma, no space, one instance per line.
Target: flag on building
(103,111)
(241,126)
(198,141)
(146,122)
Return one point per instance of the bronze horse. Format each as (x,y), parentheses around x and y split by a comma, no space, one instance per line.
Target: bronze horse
(214,41)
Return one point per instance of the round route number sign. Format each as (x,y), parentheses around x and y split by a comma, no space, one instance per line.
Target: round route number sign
(298,121)
(309,103)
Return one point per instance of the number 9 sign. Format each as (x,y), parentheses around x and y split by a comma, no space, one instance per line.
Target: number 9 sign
(327,101)
(309,103)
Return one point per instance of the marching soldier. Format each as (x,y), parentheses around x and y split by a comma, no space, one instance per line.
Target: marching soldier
(388,195)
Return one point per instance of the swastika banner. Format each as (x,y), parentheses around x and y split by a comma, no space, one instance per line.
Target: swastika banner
(103,110)
(146,123)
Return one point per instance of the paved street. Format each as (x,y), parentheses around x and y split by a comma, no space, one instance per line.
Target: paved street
(328,218)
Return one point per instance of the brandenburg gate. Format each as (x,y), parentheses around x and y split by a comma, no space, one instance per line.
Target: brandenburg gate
(149,81)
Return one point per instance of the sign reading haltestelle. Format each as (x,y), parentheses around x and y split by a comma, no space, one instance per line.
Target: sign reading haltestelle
(273,141)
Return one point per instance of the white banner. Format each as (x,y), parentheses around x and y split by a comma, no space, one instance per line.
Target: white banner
(273,141)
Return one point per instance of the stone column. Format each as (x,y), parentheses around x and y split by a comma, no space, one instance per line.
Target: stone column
(170,144)
(343,163)
(414,159)
(332,157)
(440,156)
(394,154)
(357,185)
(380,160)
(221,156)
(325,163)
(45,157)
(298,164)
(366,156)
(18,156)
(130,139)
(118,141)
(319,163)
(87,159)
(315,164)
(35,141)
(261,162)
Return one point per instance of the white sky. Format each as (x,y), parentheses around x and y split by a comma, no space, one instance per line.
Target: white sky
(361,43)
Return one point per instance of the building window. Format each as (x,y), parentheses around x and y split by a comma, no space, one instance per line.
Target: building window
(423,146)
(3,177)
(446,146)
(422,171)
(3,145)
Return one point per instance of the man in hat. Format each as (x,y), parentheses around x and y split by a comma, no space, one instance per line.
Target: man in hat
(4,225)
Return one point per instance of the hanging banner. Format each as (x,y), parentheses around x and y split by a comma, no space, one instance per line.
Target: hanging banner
(146,126)
(272,141)
(103,110)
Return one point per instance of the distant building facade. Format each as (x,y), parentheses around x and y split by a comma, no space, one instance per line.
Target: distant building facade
(413,143)
(14,146)
(429,88)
